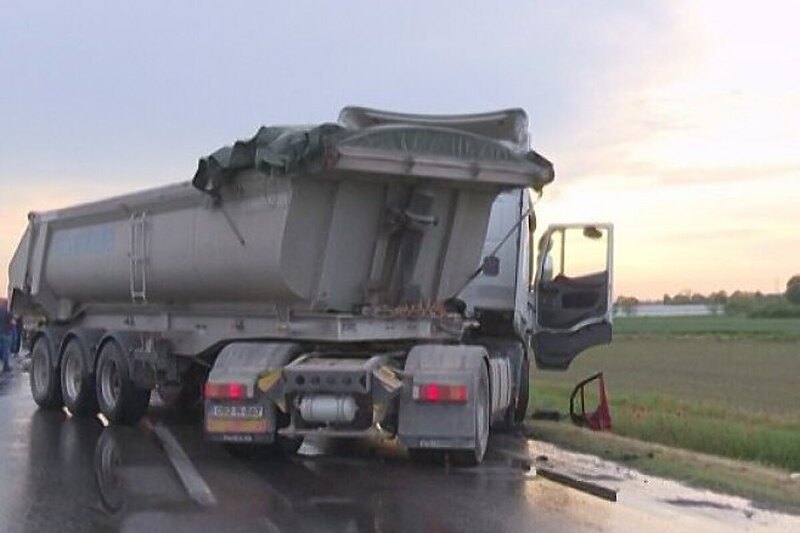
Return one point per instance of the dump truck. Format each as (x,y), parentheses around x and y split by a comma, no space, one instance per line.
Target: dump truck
(372,277)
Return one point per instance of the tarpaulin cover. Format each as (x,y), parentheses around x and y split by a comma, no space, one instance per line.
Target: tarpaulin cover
(289,150)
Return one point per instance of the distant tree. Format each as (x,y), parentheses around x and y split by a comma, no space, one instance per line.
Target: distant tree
(793,289)
(739,303)
(717,301)
(667,300)
(683,298)
(719,297)
(627,304)
(697,298)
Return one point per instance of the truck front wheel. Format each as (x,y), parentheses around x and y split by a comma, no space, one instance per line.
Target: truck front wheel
(474,456)
(523,396)
(118,397)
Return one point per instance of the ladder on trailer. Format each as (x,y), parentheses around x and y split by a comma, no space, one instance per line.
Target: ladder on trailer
(138,257)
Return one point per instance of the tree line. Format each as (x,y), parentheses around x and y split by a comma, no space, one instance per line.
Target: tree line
(753,304)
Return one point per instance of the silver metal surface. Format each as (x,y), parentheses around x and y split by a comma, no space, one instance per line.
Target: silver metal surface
(328,409)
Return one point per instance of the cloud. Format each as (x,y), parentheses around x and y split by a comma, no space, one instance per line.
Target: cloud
(676,120)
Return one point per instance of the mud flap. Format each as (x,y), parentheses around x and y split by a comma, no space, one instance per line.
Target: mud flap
(442,425)
(253,419)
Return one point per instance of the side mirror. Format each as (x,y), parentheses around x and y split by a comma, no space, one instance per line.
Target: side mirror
(490,266)
(591,232)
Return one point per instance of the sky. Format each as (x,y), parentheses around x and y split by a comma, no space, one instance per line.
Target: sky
(677,121)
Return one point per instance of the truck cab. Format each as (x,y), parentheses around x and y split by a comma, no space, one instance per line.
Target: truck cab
(556,293)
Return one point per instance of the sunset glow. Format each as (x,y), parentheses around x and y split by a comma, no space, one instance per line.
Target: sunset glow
(683,130)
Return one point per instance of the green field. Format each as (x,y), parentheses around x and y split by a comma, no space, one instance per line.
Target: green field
(726,386)
(717,326)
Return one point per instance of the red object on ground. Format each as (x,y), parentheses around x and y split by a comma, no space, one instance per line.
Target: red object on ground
(600,419)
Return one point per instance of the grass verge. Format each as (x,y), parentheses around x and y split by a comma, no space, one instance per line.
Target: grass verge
(767,439)
(736,327)
(769,488)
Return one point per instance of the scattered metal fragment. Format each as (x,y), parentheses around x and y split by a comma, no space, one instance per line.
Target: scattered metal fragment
(576,483)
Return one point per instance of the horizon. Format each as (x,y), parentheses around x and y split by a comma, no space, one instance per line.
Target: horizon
(675,121)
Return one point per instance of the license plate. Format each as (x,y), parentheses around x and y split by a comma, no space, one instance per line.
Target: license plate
(236,411)
(232,418)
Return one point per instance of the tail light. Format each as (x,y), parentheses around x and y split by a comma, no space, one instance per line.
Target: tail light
(440,393)
(225,391)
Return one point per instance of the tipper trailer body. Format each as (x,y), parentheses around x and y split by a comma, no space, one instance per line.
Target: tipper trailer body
(372,277)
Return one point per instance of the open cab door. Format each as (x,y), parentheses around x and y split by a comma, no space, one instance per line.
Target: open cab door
(571,298)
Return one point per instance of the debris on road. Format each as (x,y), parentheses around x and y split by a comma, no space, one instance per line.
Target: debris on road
(577,483)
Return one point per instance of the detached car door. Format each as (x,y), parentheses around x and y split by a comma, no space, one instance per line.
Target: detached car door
(571,299)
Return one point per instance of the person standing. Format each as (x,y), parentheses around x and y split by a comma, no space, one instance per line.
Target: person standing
(16,334)
(5,334)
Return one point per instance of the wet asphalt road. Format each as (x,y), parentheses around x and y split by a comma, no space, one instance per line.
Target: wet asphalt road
(66,474)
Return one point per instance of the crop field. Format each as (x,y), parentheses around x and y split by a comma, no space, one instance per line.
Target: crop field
(718,326)
(725,386)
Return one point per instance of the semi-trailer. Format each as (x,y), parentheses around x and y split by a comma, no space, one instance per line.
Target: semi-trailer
(372,277)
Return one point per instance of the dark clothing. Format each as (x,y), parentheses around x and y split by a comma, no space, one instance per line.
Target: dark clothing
(5,319)
(4,352)
(16,336)
(6,330)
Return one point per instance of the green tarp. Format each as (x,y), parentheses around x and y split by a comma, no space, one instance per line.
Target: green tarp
(295,150)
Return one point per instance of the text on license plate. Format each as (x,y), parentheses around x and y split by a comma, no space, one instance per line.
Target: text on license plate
(236,411)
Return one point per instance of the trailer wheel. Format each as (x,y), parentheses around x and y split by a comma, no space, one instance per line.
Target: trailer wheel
(77,380)
(474,456)
(44,375)
(118,397)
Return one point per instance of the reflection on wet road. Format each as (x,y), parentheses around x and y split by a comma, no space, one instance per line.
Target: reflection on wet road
(66,474)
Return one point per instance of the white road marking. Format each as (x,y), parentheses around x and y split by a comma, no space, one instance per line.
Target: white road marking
(194,483)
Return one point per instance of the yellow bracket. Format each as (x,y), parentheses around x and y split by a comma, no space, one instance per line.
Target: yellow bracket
(268,379)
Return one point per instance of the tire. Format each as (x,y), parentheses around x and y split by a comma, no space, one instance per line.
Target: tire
(475,456)
(44,375)
(118,397)
(523,397)
(77,380)
(515,413)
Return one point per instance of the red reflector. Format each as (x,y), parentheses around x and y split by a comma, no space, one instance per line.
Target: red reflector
(437,392)
(225,391)
(235,391)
